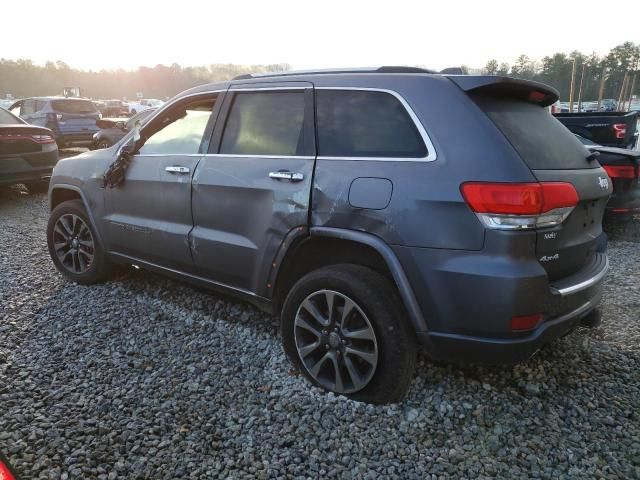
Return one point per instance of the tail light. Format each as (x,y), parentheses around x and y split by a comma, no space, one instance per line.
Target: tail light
(620,129)
(519,206)
(43,138)
(621,171)
(13,137)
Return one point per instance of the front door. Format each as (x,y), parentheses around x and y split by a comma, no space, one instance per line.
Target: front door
(148,217)
(254,185)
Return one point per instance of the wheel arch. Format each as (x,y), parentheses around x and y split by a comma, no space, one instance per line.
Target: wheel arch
(64,192)
(327,246)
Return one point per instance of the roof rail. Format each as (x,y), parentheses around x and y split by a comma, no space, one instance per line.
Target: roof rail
(385,69)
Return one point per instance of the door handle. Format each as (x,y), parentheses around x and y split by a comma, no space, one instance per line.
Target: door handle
(286,175)
(176,169)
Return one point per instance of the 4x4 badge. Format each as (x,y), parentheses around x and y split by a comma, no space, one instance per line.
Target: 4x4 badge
(603,182)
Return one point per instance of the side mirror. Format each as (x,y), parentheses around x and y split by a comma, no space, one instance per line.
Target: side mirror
(121,126)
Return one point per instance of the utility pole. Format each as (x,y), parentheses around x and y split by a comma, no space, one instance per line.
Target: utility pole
(580,89)
(633,84)
(621,96)
(601,91)
(573,79)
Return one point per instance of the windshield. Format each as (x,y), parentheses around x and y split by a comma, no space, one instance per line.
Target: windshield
(74,106)
(6,118)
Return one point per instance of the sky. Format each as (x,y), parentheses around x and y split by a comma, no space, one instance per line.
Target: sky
(111,34)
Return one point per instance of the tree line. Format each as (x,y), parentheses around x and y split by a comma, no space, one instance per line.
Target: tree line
(23,78)
(556,70)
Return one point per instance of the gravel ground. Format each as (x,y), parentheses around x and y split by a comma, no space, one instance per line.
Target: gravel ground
(144,377)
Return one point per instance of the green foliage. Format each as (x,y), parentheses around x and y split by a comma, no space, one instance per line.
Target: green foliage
(555,70)
(22,78)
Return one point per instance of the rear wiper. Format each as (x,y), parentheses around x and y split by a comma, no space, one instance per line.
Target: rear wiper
(593,156)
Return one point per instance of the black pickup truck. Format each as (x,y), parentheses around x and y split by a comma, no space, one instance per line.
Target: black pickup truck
(609,129)
(623,168)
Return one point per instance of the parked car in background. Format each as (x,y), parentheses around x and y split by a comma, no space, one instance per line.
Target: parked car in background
(112,130)
(144,104)
(611,129)
(346,203)
(114,109)
(72,120)
(623,167)
(27,153)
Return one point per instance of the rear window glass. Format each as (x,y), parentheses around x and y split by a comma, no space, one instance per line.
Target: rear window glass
(541,140)
(355,123)
(73,106)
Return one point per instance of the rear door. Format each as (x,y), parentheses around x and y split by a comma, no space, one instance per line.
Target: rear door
(148,217)
(254,185)
(554,154)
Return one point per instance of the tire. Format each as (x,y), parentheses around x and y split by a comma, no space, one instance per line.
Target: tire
(39,186)
(92,265)
(377,305)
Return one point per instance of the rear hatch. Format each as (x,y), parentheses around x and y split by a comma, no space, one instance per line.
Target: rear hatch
(553,154)
(76,115)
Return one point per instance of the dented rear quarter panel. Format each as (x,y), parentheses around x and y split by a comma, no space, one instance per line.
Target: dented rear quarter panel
(426,208)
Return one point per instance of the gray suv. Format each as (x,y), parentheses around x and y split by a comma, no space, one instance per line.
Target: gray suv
(374,211)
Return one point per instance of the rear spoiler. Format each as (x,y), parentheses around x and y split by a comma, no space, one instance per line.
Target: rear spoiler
(496,86)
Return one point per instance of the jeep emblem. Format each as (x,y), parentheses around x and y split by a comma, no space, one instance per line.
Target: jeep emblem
(603,182)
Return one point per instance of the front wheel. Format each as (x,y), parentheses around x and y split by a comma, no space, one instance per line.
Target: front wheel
(73,244)
(344,328)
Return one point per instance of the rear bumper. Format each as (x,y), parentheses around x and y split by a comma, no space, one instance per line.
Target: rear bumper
(82,139)
(469,298)
(496,351)
(624,201)
(28,167)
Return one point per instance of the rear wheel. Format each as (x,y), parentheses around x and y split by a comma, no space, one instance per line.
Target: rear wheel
(344,328)
(73,244)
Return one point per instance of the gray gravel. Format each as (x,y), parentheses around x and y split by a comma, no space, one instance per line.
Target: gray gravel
(144,377)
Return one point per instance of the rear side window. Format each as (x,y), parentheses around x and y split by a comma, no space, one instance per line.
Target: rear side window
(355,123)
(74,106)
(265,123)
(541,140)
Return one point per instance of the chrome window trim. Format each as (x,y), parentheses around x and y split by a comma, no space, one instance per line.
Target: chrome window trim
(293,157)
(235,155)
(252,87)
(431,151)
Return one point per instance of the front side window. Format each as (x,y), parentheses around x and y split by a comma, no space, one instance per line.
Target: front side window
(265,123)
(354,123)
(181,130)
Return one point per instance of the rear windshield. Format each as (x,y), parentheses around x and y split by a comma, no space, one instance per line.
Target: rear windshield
(541,140)
(74,106)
